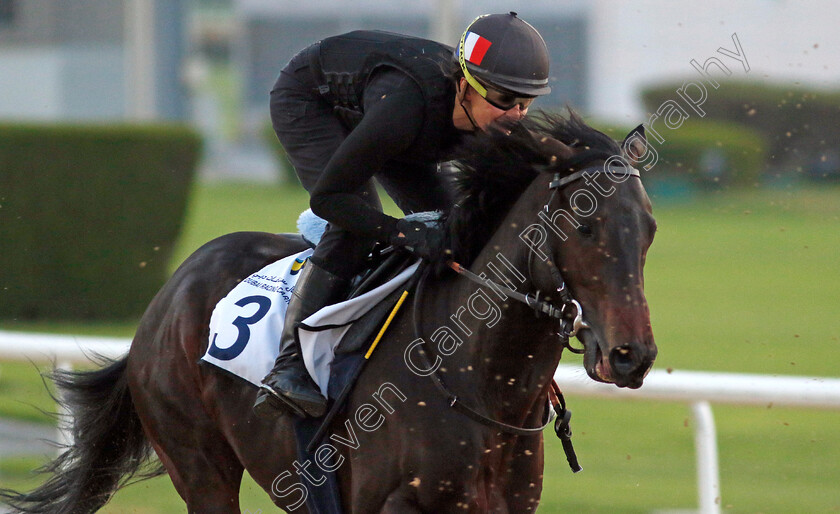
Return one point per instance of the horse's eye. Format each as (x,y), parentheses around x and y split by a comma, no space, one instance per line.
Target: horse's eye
(585,230)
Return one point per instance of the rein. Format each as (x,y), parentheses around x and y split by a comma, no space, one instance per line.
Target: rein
(452,399)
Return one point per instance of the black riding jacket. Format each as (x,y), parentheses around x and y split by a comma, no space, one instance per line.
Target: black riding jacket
(394,94)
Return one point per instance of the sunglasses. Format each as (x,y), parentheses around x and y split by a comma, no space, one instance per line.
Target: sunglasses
(506,101)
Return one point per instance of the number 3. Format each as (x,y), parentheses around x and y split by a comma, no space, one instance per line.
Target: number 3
(226,354)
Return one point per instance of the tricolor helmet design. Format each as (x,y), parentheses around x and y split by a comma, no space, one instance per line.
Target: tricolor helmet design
(506,53)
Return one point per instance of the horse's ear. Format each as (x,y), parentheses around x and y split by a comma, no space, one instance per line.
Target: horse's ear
(556,149)
(634,145)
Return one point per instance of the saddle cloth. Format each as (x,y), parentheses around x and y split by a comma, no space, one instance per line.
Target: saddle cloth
(246,325)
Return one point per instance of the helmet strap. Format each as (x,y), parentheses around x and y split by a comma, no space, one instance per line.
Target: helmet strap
(460,96)
(463,62)
(469,117)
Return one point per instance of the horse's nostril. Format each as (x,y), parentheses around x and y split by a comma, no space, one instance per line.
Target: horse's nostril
(622,361)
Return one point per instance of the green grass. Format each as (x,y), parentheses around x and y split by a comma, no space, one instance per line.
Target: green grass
(748,282)
(739,282)
(223,208)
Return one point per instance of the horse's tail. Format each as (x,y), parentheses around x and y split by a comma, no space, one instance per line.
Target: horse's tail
(108,447)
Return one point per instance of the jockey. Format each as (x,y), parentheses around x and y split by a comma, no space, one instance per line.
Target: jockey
(376,104)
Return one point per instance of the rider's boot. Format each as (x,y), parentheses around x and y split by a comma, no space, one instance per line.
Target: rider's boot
(288,386)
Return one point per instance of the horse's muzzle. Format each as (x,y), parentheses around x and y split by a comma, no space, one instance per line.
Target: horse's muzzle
(630,364)
(626,365)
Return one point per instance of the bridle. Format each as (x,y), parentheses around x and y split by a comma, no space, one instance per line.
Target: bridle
(569,313)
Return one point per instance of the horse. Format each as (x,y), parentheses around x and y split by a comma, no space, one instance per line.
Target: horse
(545,211)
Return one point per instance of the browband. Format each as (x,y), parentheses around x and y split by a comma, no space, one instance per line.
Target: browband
(613,169)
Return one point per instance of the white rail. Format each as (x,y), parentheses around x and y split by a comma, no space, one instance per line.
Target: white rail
(59,348)
(696,388)
(700,388)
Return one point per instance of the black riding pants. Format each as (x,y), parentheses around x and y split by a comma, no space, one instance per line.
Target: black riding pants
(311,133)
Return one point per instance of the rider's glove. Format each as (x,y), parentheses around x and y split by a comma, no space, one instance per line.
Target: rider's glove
(418,238)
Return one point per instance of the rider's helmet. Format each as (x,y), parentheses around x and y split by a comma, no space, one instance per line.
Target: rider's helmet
(505,53)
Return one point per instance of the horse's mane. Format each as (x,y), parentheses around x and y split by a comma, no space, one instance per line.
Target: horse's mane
(494,168)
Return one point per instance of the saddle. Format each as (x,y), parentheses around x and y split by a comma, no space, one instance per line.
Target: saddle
(384,265)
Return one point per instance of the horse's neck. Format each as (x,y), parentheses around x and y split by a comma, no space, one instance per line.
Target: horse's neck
(508,355)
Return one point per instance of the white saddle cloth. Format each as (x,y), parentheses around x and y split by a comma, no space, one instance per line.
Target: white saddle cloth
(246,324)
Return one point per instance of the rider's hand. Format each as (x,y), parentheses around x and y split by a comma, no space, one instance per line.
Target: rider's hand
(418,238)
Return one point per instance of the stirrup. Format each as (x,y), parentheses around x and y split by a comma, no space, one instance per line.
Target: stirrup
(271,404)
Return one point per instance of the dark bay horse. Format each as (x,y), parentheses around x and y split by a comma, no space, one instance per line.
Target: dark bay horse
(533,207)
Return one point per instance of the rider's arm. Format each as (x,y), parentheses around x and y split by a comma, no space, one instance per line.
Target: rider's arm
(393,118)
